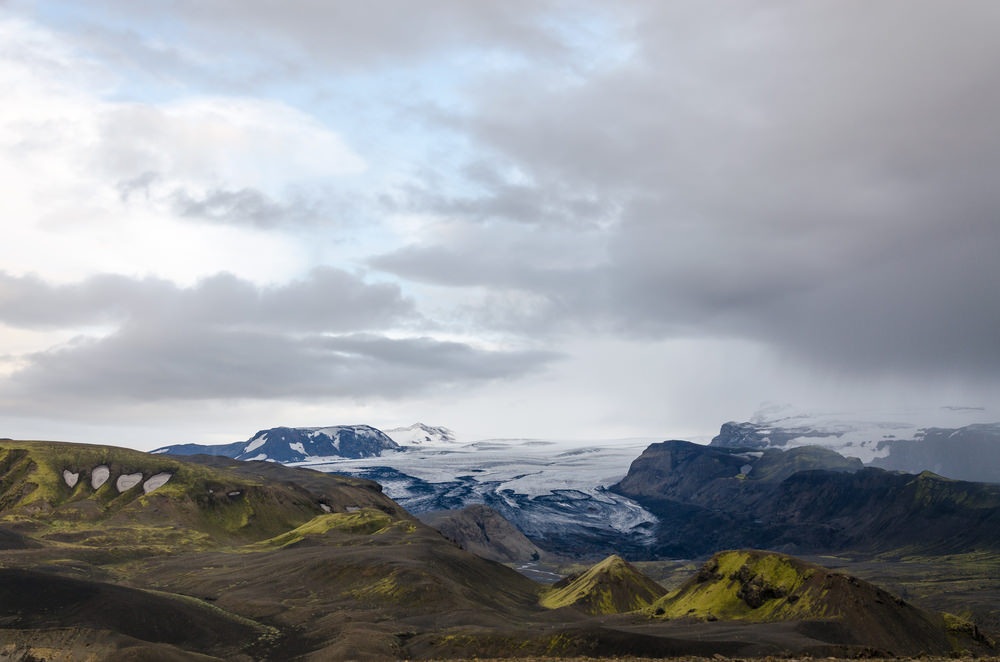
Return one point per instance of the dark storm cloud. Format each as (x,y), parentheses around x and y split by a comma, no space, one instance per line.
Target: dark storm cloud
(227,338)
(819,176)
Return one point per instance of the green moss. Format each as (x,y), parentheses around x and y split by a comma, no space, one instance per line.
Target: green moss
(367,521)
(749,586)
(609,587)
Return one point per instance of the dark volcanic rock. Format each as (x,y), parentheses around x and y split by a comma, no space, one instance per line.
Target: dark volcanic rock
(485,532)
(706,502)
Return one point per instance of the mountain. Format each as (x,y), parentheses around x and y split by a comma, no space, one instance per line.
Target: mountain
(289,445)
(967,452)
(484,532)
(757,587)
(612,586)
(419,434)
(711,498)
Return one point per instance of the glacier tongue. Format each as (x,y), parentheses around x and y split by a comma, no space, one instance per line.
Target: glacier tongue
(551,490)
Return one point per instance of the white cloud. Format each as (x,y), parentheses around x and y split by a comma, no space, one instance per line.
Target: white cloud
(91,183)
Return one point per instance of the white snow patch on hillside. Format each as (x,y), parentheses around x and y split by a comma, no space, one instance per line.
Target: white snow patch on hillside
(256,443)
(156,482)
(297,446)
(126,482)
(99,475)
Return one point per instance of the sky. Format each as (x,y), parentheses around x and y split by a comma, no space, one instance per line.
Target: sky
(560,219)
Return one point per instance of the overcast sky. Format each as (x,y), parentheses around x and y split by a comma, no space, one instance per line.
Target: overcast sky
(534,219)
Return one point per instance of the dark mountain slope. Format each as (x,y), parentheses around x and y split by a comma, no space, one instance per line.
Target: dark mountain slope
(484,532)
(707,500)
(35,601)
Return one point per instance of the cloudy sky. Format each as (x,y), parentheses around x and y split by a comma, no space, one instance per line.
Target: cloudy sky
(545,218)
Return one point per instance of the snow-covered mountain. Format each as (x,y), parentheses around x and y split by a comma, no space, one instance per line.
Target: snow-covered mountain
(956,442)
(422,435)
(290,445)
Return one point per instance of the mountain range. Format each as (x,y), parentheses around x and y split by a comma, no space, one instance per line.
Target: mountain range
(966,452)
(113,554)
(291,445)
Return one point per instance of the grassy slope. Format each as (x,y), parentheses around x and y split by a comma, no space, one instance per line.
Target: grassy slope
(753,586)
(609,587)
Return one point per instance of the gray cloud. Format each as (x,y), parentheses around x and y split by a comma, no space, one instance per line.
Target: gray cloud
(289,37)
(327,299)
(227,338)
(819,177)
(140,363)
(245,206)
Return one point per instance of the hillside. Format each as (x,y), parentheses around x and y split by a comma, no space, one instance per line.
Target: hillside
(760,587)
(484,532)
(612,586)
(710,498)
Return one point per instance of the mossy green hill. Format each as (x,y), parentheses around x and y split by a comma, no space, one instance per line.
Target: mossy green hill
(612,586)
(197,507)
(759,587)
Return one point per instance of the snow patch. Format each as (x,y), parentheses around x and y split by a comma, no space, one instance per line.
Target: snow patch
(326,508)
(99,475)
(256,443)
(297,446)
(70,477)
(127,481)
(156,482)
(262,456)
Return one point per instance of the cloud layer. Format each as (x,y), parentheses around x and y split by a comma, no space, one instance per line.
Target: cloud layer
(312,202)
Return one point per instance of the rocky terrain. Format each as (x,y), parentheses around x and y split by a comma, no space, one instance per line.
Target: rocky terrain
(484,532)
(803,500)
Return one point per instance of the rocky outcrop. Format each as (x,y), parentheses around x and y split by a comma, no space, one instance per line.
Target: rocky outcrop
(485,532)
